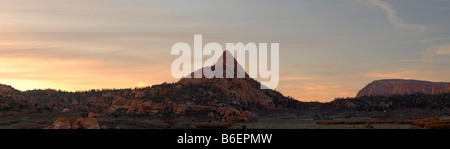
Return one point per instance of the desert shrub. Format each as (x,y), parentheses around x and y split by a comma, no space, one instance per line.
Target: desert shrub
(433,119)
(215,125)
(329,122)
(44,109)
(129,122)
(419,123)
(432,123)
(5,108)
(341,122)
(378,103)
(401,122)
(288,118)
(25,113)
(369,126)
(186,124)
(377,122)
(355,122)
(41,122)
(170,122)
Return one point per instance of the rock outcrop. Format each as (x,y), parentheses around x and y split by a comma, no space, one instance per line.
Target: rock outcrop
(87,123)
(401,87)
(93,115)
(65,111)
(244,90)
(61,123)
(80,123)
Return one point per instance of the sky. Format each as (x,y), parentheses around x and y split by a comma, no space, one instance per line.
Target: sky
(328,48)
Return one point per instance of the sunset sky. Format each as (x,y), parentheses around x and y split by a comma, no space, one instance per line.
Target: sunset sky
(328,48)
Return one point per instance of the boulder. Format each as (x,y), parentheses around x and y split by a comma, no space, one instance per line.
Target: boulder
(61,123)
(87,123)
(65,111)
(93,115)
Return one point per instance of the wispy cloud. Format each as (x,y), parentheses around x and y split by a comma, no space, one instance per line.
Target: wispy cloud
(403,74)
(436,50)
(434,53)
(418,74)
(443,50)
(432,40)
(393,18)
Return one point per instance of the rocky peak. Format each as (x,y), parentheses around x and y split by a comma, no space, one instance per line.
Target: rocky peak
(400,87)
(226,62)
(243,90)
(230,64)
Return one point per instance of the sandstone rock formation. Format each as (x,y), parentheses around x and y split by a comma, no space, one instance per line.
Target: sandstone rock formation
(65,111)
(61,123)
(242,90)
(87,123)
(401,87)
(93,115)
(80,123)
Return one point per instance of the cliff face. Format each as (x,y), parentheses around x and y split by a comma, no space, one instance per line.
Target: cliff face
(401,87)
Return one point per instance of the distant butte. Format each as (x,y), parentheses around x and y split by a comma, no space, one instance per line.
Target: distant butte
(401,87)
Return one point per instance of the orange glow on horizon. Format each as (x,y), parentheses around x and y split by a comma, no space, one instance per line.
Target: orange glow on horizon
(67,74)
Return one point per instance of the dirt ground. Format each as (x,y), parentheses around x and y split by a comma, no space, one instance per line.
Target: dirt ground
(313,119)
(309,119)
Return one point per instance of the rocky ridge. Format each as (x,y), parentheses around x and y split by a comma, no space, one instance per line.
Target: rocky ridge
(224,99)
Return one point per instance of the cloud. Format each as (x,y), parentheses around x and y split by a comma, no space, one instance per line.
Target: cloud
(393,18)
(443,50)
(428,74)
(432,40)
(434,53)
(431,54)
